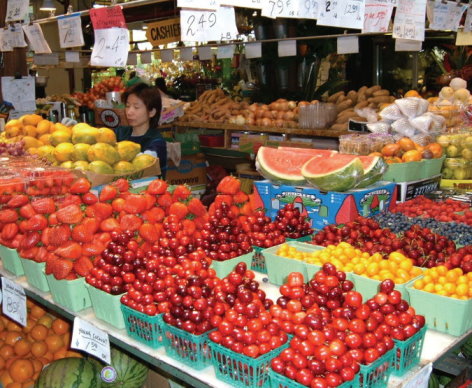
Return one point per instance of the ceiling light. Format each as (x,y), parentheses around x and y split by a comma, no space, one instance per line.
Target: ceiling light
(48,5)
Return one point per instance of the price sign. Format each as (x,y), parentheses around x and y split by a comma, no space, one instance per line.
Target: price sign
(70,31)
(72,56)
(255,4)
(107,17)
(445,16)
(111,47)
(204,53)
(409,20)
(5,40)
(35,36)
(253,50)
(305,9)
(90,339)
(17,10)
(17,36)
(287,48)
(14,301)
(348,45)
(468,20)
(377,15)
(408,45)
(211,5)
(342,13)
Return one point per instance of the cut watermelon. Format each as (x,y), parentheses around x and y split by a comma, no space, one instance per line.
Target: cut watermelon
(282,166)
(310,151)
(374,168)
(340,172)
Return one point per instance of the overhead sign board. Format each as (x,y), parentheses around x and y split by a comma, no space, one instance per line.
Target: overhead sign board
(162,32)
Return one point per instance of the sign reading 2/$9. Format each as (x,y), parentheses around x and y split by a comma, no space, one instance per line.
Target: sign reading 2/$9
(162,32)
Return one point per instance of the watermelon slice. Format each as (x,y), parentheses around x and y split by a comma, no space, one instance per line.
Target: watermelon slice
(310,151)
(374,168)
(282,166)
(340,172)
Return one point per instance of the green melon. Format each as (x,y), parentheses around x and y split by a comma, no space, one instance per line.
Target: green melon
(69,373)
(374,168)
(340,172)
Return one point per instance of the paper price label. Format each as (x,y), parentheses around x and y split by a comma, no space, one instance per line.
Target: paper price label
(377,15)
(255,4)
(90,339)
(14,301)
(107,17)
(5,40)
(409,20)
(70,31)
(342,13)
(17,10)
(211,5)
(18,36)
(444,16)
(468,20)
(35,36)
(111,47)
(305,9)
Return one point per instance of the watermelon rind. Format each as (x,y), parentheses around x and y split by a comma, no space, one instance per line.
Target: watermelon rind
(342,179)
(70,372)
(373,173)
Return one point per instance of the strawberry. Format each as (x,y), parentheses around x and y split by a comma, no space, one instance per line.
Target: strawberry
(89,198)
(81,233)
(189,227)
(148,232)
(41,255)
(23,226)
(117,204)
(37,222)
(71,214)
(92,224)
(44,205)
(18,201)
(121,184)
(7,216)
(181,193)
(150,200)
(109,225)
(82,266)
(62,268)
(59,234)
(196,207)
(229,185)
(29,253)
(130,222)
(9,231)
(222,198)
(157,187)
(165,200)
(135,204)
(108,193)
(70,199)
(246,209)
(100,211)
(80,186)
(27,211)
(178,209)
(92,249)
(52,219)
(156,214)
(29,240)
(51,260)
(240,197)
(69,250)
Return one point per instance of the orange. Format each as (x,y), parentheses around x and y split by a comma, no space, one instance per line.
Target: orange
(12,337)
(60,326)
(411,93)
(54,342)
(406,144)
(412,156)
(72,353)
(21,370)
(436,149)
(61,353)
(45,320)
(13,326)
(393,159)
(37,365)
(29,325)
(391,150)
(37,312)
(5,378)
(14,385)
(39,332)
(39,349)
(6,352)
(22,347)
(2,363)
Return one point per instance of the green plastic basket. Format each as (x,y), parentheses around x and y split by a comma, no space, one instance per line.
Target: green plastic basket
(106,307)
(279,381)
(188,348)
(376,374)
(70,294)
(239,370)
(223,268)
(407,353)
(144,328)
(35,275)
(258,260)
(301,239)
(444,314)
(11,261)
(311,270)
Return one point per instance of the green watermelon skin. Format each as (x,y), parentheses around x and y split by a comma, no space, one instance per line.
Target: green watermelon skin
(69,373)
(374,175)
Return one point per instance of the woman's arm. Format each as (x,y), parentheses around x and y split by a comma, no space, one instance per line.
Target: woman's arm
(159,147)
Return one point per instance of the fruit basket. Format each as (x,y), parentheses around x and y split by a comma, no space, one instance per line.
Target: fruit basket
(279,381)
(11,261)
(376,374)
(143,328)
(106,307)
(258,260)
(223,268)
(413,171)
(408,352)
(188,348)
(70,294)
(34,273)
(239,370)
(442,313)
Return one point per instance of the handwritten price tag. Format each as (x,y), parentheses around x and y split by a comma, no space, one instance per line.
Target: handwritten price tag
(90,339)
(111,47)
(444,16)
(342,13)
(377,15)
(70,31)
(107,17)
(409,20)
(14,301)
(211,5)
(468,20)
(35,36)
(17,10)
(17,36)
(5,40)
(255,4)
(305,9)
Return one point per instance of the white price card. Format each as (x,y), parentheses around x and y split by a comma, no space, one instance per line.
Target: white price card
(348,45)
(410,20)
(17,10)
(444,16)
(255,4)
(5,40)
(205,53)
(167,55)
(90,339)
(287,48)
(20,92)
(14,301)
(468,20)
(420,379)
(211,5)
(146,57)
(342,13)
(70,31)
(132,59)
(299,9)
(111,47)
(408,45)
(46,59)
(224,52)
(72,56)
(253,50)
(35,36)
(18,36)
(377,15)
(464,38)
(186,54)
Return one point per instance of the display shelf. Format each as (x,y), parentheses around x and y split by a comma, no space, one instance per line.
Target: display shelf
(436,344)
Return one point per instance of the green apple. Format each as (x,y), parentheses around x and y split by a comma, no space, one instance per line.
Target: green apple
(447,173)
(468,142)
(467,154)
(452,151)
(460,173)
(444,140)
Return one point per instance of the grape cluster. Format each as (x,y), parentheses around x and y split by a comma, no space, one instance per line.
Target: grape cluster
(396,222)
(12,149)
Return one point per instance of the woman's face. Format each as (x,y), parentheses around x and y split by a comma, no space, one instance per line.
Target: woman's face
(136,111)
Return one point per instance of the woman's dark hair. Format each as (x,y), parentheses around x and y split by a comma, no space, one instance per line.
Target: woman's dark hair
(151,98)
(161,84)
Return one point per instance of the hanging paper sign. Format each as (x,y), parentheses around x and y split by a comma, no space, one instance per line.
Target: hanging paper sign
(287,48)
(5,40)
(468,20)
(408,45)
(167,55)
(35,36)
(205,53)
(227,18)
(300,9)
(17,35)
(211,5)
(409,20)
(111,47)
(146,57)
(348,45)
(90,339)
(186,54)
(225,51)
(377,15)
(72,56)
(444,16)
(70,31)
(46,59)
(17,10)
(254,4)
(341,13)
(163,32)
(132,59)
(107,17)
(14,301)
(464,38)
(20,92)
(253,50)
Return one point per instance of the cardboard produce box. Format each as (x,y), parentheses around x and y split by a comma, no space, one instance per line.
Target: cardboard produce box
(191,171)
(410,190)
(110,118)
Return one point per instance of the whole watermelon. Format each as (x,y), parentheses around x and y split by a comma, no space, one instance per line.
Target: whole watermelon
(69,373)
(130,372)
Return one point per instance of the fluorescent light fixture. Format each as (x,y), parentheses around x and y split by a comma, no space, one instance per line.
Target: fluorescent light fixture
(48,5)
